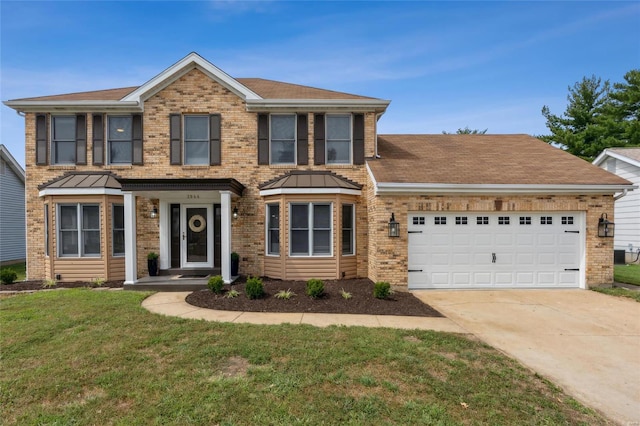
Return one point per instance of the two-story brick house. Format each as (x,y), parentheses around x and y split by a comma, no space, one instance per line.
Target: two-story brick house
(195,164)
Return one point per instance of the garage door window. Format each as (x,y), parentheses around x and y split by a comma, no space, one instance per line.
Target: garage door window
(418,220)
(440,220)
(546,220)
(503,220)
(525,220)
(567,220)
(482,220)
(461,220)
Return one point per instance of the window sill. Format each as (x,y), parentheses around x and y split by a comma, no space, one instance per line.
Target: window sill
(195,167)
(61,167)
(118,167)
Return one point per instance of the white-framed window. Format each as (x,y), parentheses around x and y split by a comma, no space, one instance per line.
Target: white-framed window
(348,228)
(196,139)
(273,229)
(63,139)
(282,145)
(117,230)
(120,139)
(310,229)
(338,139)
(78,230)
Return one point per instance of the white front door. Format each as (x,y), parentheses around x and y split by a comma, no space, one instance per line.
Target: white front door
(196,230)
(492,250)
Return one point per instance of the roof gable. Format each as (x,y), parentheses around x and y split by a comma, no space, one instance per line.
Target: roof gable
(628,155)
(180,68)
(12,163)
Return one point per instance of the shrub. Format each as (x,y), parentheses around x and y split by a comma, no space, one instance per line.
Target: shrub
(98,282)
(232,294)
(215,284)
(381,290)
(254,288)
(345,294)
(315,288)
(8,276)
(49,283)
(235,256)
(152,255)
(284,294)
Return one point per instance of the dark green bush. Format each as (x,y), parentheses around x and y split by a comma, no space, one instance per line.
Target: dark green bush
(315,288)
(254,288)
(8,276)
(215,284)
(381,290)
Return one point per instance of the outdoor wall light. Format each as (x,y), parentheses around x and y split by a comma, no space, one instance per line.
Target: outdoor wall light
(605,228)
(153,213)
(235,212)
(394,227)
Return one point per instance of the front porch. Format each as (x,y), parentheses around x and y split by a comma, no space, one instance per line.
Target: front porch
(176,280)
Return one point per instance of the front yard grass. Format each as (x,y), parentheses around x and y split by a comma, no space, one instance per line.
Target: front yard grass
(629,274)
(620,292)
(94,357)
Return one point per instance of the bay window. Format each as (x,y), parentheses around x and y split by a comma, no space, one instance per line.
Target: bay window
(78,230)
(310,229)
(117,227)
(273,229)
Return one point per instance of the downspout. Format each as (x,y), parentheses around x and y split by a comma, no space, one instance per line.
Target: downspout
(617,197)
(21,114)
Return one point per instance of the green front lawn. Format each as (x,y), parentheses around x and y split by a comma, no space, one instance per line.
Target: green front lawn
(93,357)
(620,292)
(629,274)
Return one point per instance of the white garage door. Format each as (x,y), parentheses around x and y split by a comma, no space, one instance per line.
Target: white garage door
(489,250)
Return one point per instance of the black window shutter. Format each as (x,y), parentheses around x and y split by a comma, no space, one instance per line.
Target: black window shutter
(42,142)
(318,135)
(263,138)
(136,142)
(81,139)
(98,139)
(175,135)
(303,139)
(358,139)
(215,139)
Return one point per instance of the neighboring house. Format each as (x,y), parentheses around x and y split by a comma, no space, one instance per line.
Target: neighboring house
(12,212)
(195,164)
(625,162)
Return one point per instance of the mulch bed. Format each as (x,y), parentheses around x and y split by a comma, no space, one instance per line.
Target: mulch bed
(39,285)
(361,302)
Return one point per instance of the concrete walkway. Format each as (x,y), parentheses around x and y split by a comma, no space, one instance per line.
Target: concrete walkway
(173,304)
(586,342)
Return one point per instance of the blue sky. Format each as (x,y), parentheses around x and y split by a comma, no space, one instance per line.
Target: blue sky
(444,65)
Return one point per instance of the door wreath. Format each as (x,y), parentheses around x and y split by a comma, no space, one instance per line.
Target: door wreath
(197,223)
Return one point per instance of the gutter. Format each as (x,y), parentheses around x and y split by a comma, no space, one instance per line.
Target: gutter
(624,192)
(446,188)
(40,106)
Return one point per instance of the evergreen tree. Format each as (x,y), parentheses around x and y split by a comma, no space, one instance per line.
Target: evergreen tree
(467,131)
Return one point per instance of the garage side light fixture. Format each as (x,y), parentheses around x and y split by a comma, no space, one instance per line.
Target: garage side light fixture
(394,226)
(153,213)
(605,228)
(235,212)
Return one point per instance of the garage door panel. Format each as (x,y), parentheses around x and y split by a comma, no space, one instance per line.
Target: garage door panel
(531,250)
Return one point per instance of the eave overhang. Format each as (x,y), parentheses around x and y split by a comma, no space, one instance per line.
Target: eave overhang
(317,105)
(384,188)
(147,185)
(606,153)
(74,106)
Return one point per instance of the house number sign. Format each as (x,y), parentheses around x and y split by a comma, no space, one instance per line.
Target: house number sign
(193,196)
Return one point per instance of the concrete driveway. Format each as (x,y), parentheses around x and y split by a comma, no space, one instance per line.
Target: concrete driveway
(586,342)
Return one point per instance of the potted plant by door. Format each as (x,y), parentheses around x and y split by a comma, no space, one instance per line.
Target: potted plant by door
(235,262)
(152,264)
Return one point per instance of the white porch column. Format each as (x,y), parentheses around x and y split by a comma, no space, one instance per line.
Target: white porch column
(130,258)
(225,238)
(165,223)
